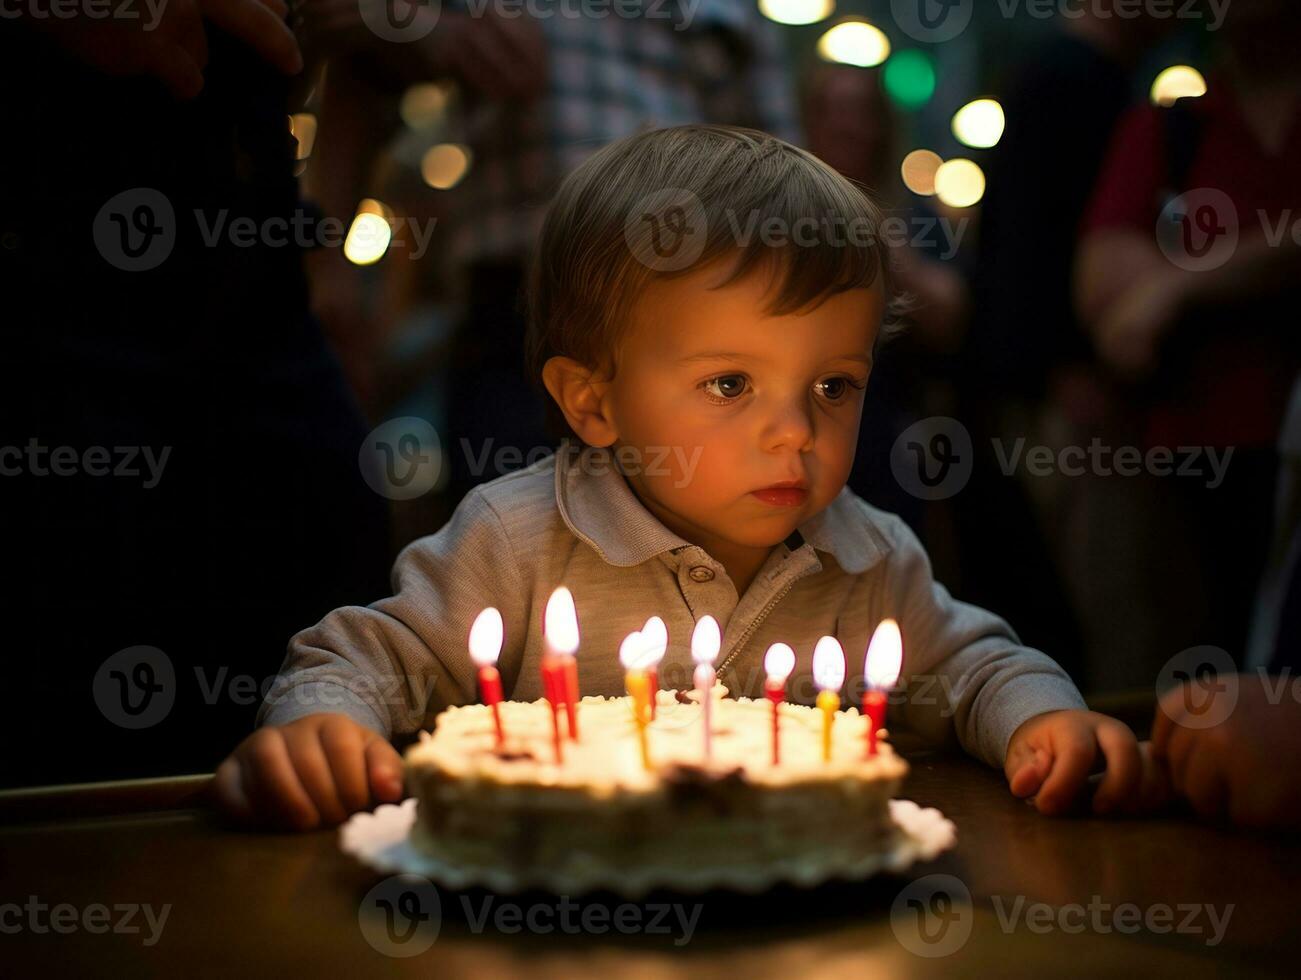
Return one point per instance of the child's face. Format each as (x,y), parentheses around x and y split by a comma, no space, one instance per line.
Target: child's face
(744,400)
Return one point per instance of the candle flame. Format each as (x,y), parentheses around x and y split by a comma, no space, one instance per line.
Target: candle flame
(884,655)
(829,664)
(705,640)
(656,637)
(779,661)
(485,637)
(560,623)
(634,653)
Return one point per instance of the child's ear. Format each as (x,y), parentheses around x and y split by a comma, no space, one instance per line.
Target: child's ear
(580,393)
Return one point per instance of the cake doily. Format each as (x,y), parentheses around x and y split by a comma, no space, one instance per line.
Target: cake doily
(382,840)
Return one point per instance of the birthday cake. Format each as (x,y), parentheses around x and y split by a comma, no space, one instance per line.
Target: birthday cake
(606,804)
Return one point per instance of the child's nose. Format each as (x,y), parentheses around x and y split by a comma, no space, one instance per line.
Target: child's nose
(790,427)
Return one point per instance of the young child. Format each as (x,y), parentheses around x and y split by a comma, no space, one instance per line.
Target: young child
(705,305)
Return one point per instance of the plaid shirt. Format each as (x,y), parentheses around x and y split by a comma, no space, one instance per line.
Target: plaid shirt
(607,77)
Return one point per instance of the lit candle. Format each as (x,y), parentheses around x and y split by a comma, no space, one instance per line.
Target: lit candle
(655,638)
(829,676)
(561,631)
(485,648)
(880,671)
(705,643)
(778,663)
(633,656)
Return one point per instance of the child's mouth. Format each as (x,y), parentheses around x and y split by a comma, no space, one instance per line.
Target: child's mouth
(782,496)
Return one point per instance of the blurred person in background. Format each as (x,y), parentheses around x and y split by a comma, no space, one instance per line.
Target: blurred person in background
(1029,369)
(1187,280)
(537,94)
(851,125)
(179,448)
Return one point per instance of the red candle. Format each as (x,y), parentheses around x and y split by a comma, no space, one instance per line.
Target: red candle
(778,663)
(880,672)
(485,648)
(874,712)
(560,633)
(553,686)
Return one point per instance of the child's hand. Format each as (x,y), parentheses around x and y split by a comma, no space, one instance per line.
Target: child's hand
(1052,755)
(312,772)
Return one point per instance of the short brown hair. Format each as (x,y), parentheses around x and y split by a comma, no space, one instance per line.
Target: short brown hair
(589,264)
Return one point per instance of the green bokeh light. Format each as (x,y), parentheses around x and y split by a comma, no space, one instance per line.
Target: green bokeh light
(910,78)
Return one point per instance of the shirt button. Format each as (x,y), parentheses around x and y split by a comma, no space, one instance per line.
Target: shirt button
(701,573)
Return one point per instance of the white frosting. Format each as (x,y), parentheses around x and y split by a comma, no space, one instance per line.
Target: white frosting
(607,759)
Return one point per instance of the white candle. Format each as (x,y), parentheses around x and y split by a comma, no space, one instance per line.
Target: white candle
(706,640)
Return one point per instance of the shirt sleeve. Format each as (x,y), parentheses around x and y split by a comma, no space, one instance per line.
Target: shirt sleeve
(965,673)
(393,665)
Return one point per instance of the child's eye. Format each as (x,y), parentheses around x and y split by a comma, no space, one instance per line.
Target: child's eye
(836,389)
(725,388)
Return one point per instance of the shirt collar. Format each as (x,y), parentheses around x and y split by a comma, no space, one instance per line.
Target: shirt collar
(597,504)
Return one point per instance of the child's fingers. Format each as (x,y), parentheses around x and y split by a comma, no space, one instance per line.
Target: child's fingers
(1124,766)
(1029,775)
(228,789)
(384,767)
(1073,753)
(314,771)
(274,787)
(345,748)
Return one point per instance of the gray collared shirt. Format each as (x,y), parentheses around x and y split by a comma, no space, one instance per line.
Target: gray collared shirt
(572,519)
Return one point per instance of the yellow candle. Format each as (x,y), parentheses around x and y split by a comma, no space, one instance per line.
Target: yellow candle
(829,702)
(638,685)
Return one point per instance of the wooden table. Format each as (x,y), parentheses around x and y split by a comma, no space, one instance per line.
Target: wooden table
(289,905)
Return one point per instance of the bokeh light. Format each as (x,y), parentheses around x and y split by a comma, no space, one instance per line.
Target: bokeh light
(960,183)
(854,42)
(1177,82)
(919,169)
(423,105)
(444,165)
(910,78)
(980,124)
(797,11)
(368,237)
